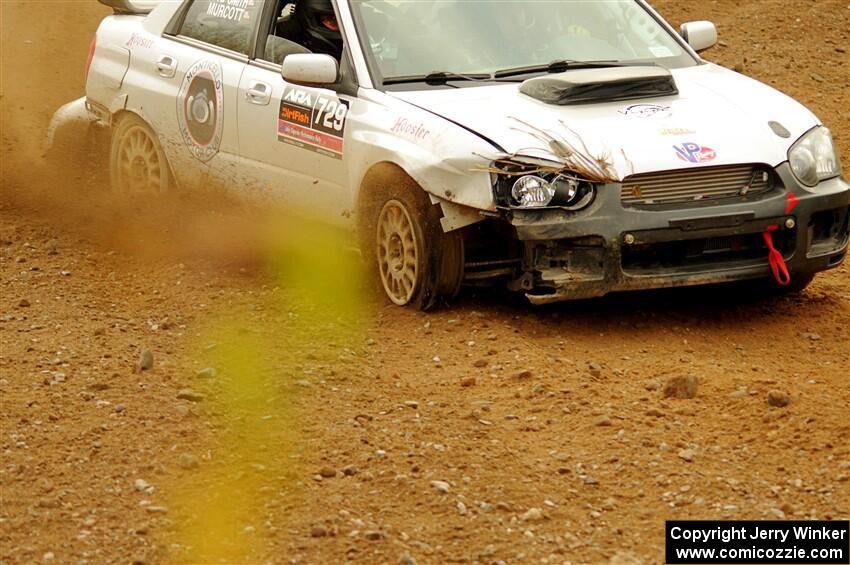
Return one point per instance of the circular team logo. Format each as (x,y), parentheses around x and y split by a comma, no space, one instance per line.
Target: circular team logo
(199,109)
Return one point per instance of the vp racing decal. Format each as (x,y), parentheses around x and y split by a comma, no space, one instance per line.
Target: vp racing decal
(199,109)
(694,153)
(313,121)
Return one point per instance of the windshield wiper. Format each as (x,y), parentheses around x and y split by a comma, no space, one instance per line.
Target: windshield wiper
(558,66)
(438,78)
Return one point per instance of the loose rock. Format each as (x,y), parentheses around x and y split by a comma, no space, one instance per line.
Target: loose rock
(441,486)
(778,399)
(188,461)
(687,454)
(623,558)
(207,373)
(145,360)
(532,515)
(191,396)
(681,386)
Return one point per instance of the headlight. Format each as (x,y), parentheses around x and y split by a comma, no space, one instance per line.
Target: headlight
(572,194)
(532,191)
(813,158)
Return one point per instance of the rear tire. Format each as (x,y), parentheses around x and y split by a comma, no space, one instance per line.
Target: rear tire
(137,162)
(418,265)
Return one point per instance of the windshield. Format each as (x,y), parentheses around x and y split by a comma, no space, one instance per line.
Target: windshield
(418,37)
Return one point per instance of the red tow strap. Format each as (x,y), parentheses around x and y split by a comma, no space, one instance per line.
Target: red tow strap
(774,257)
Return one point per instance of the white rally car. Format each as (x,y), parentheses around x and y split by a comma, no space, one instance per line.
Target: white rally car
(563,149)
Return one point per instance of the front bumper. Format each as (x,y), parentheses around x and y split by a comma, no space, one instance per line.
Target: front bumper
(608,247)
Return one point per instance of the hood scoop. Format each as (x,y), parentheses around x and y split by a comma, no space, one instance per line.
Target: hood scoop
(583,86)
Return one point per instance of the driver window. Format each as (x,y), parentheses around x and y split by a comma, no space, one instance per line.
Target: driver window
(225,24)
(303,26)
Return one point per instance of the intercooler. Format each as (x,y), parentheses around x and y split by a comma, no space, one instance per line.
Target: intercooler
(688,186)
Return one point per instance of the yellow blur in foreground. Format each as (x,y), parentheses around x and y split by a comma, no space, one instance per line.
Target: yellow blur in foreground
(222,509)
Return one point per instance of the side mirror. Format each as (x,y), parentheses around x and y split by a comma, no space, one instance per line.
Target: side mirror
(699,35)
(310,68)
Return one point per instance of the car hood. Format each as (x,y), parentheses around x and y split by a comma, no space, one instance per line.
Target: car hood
(719,117)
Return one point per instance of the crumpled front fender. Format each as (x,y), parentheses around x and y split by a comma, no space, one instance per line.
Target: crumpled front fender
(447,161)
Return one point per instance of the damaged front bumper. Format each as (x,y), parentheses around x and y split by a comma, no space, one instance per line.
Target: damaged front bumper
(612,247)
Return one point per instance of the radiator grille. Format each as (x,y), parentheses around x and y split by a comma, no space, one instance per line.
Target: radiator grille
(683,186)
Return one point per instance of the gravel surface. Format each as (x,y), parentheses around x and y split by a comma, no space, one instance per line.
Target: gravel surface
(486,432)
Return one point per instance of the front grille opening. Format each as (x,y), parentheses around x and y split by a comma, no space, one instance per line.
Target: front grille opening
(696,187)
(708,252)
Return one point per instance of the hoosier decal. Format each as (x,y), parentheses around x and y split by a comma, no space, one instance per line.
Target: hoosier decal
(199,109)
(313,121)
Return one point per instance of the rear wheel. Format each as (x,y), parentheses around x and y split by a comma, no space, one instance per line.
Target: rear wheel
(137,162)
(417,264)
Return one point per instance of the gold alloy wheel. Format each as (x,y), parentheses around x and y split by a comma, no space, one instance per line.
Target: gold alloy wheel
(140,168)
(398,252)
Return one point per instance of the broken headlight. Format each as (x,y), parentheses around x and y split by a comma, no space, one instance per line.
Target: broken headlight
(813,158)
(531,191)
(544,190)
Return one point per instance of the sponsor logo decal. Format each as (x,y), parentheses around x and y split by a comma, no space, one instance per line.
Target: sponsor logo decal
(694,153)
(647,111)
(313,121)
(138,40)
(405,127)
(233,10)
(676,131)
(199,109)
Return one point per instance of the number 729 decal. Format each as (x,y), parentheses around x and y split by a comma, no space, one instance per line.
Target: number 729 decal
(312,120)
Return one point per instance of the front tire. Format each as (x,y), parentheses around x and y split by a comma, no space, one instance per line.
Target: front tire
(417,263)
(137,162)
(769,287)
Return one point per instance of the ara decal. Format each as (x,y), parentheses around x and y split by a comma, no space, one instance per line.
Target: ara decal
(312,120)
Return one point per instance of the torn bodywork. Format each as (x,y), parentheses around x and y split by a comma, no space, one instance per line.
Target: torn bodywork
(558,155)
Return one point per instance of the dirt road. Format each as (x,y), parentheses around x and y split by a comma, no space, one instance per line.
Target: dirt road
(487,432)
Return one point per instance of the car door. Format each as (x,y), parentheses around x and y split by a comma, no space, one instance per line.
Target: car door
(295,136)
(198,72)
